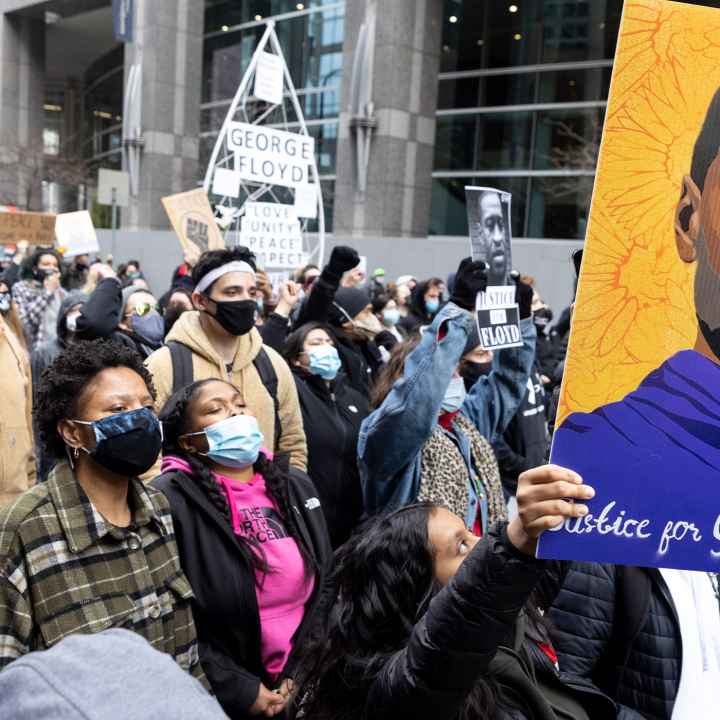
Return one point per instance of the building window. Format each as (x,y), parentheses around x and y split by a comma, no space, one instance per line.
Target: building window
(521,102)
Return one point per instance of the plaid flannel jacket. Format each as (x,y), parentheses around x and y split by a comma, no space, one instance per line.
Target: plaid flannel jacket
(65,570)
(32,301)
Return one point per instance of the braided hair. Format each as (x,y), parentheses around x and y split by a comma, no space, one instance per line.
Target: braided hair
(175,418)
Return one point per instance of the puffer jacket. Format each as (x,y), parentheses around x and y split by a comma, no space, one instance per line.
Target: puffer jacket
(17,462)
(207,363)
(617,628)
(468,633)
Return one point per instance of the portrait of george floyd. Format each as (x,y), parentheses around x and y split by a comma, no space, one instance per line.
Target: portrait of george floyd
(639,414)
(490,234)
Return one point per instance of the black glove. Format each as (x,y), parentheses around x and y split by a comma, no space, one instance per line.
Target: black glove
(523,296)
(471,279)
(342,259)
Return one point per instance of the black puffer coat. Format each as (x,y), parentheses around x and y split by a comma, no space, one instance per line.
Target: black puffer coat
(618,628)
(468,633)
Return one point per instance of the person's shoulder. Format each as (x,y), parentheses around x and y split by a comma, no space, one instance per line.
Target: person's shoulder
(19,517)
(282,369)
(158,359)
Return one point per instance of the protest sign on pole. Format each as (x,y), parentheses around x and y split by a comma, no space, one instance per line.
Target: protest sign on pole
(193,220)
(639,414)
(34,228)
(264,154)
(497,313)
(75,234)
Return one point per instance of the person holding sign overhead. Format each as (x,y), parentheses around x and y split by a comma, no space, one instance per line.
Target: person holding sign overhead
(428,438)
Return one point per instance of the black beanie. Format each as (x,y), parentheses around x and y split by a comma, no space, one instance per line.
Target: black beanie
(352,300)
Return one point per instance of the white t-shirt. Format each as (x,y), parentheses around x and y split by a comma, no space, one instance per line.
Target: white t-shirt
(699,615)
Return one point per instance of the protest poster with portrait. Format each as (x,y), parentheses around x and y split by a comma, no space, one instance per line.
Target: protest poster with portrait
(497,313)
(639,414)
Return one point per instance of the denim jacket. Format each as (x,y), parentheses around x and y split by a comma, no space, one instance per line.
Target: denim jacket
(392,437)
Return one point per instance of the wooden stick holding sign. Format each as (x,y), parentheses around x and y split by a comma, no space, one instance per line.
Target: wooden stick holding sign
(193,221)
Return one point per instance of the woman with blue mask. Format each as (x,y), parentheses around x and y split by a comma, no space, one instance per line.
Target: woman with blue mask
(253,542)
(435,417)
(425,303)
(93,547)
(332,413)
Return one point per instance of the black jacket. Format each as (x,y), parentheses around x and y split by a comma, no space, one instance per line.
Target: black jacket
(225,606)
(467,633)
(332,418)
(618,628)
(523,445)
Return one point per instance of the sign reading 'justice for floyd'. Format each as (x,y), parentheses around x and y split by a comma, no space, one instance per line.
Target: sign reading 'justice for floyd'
(639,414)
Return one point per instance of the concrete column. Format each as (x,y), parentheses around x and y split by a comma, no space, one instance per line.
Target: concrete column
(22,95)
(406,64)
(171,35)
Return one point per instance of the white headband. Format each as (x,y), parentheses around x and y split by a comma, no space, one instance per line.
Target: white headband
(213,275)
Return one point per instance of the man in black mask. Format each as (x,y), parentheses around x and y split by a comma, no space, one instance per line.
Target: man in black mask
(219,340)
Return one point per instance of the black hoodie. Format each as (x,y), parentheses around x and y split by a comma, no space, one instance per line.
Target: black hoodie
(417,315)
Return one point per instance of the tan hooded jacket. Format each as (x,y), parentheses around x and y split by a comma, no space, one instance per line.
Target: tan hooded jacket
(17,461)
(207,363)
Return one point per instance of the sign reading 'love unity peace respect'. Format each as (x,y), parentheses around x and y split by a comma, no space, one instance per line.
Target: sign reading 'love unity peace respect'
(639,414)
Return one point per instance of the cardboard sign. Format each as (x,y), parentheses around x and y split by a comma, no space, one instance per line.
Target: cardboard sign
(498,318)
(75,234)
(193,220)
(226,182)
(272,232)
(266,155)
(488,212)
(639,414)
(269,78)
(34,228)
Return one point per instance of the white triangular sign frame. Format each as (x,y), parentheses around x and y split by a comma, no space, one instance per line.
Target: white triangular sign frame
(229,210)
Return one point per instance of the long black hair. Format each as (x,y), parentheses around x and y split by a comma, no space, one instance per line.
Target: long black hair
(381,586)
(175,419)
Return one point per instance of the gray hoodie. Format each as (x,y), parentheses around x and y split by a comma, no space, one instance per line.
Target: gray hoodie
(112,675)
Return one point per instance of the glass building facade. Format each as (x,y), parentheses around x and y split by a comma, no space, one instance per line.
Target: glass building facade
(311,34)
(523,88)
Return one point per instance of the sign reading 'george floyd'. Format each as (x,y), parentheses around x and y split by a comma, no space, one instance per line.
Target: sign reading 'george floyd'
(266,155)
(639,414)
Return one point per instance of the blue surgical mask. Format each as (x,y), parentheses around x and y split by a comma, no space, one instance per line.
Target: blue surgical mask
(324,361)
(234,442)
(454,395)
(432,306)
(391,317)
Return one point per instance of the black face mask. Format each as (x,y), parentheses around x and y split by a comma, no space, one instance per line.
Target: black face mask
(128,443)
(41,274)
(543,317)
(472,371)
(237,316)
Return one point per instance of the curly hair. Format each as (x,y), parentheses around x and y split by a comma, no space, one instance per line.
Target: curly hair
(212,259)
(63,382)
(31,262)
(175,419)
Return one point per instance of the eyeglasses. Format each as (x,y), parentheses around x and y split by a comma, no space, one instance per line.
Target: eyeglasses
(144,308)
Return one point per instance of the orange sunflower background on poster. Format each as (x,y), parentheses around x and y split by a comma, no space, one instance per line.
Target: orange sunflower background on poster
(635,305)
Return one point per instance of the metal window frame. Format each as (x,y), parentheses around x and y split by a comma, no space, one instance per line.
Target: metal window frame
(276,18)
(525,107)
(526,69)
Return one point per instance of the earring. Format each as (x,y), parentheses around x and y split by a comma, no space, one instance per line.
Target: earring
(76,453)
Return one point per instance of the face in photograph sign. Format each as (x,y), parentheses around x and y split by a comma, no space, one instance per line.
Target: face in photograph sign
(489,225)
(639,414)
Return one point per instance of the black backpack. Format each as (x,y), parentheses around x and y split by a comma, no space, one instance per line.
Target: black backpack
(182,367)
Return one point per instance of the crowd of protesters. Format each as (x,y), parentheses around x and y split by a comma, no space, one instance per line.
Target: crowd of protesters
(321,500)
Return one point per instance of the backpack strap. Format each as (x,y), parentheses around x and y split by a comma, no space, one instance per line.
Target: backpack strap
(268,377)
(182,365)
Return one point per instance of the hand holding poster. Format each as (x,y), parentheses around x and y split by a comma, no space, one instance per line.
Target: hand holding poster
(639,414)
(193,220)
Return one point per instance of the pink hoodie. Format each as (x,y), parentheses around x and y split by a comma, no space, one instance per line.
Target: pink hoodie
(284,590)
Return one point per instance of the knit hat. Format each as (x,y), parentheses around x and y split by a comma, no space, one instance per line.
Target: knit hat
(352,301)
(473,339)
(110,675)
